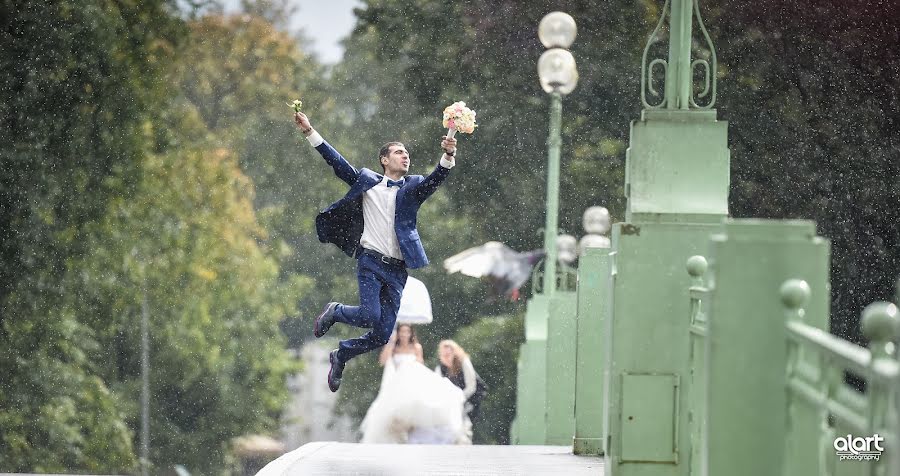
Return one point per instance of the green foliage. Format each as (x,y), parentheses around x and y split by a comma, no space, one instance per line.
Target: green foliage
(189,237)
(78,80)
(812,98)
(112,193)
(462,51)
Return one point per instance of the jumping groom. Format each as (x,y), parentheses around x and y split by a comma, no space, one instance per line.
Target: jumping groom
(375,222)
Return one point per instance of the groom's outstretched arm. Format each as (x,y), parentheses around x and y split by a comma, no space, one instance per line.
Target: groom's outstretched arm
(440,173)
(342,168)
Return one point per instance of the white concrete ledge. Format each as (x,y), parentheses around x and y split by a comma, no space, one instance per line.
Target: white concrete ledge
(334,459)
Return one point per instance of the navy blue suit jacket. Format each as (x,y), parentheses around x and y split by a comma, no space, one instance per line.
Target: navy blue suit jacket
(342,222)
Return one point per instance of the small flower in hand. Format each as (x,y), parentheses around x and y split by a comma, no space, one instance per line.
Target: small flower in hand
(297,104)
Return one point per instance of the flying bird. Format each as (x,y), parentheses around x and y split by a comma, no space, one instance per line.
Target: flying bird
(506,269)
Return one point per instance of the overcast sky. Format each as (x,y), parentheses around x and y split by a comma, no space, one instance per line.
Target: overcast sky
(324,22)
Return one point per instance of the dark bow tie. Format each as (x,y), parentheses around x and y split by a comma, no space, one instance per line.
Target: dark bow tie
(395,183)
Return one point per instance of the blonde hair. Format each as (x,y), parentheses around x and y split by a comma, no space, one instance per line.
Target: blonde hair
(458,355)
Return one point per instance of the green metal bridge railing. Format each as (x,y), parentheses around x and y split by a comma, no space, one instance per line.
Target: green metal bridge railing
(821,406)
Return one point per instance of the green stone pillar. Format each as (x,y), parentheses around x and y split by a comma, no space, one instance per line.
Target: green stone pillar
(590,352)
(561,341)
(747,416)
(648,430)
(676,182)
(531,383)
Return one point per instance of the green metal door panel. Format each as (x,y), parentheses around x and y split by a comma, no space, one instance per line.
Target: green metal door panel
(649,420)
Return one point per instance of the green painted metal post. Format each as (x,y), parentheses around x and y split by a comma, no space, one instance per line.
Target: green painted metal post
(559,413)
(678,80)
(548,313)
(698,293)
(554,143)
(746,353)
(590,354)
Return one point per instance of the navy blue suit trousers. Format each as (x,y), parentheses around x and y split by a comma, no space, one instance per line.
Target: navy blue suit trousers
(380,288)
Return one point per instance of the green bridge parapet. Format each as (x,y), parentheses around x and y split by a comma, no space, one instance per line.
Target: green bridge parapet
(765,385)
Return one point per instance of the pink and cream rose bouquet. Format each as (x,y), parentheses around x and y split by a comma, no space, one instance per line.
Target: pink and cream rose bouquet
(457,117)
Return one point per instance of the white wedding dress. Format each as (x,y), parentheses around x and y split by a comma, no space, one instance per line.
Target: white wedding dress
(415,405)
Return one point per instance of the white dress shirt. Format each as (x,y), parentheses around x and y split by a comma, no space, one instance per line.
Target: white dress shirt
(379,208)
(379,211)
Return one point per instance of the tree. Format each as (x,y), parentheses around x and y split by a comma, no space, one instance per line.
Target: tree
(188,241)
(79,79)
(811,97)
(819,78)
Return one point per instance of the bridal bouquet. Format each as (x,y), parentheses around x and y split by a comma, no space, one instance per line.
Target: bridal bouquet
(457,117)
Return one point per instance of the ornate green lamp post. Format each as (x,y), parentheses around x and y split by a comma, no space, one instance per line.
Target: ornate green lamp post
(559,76)
(556,307)
(543,393)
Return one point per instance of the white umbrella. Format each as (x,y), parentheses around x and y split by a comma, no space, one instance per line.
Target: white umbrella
(415,305)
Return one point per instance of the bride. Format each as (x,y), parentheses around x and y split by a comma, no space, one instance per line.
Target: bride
(414,405)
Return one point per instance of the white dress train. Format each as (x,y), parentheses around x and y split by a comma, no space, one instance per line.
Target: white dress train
(415,405)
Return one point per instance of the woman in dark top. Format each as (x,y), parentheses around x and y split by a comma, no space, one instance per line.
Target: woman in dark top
(457,366)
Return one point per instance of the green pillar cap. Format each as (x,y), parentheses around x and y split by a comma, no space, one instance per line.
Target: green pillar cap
(795,293)
(696,266)
(880,321)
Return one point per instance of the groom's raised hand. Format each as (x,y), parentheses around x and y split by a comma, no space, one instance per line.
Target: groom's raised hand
(303,123)
(449,145)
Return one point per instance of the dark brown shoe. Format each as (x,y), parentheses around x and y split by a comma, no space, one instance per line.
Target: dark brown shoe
(336,371)
(325,320)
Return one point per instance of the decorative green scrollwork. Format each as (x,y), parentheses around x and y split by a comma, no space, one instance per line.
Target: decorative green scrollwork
(710,67)
(647,69)
(710,82)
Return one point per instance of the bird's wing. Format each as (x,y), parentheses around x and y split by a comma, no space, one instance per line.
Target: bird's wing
(481,260)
